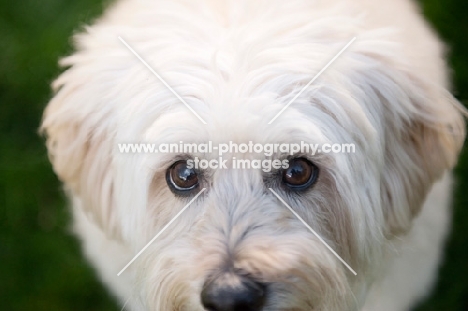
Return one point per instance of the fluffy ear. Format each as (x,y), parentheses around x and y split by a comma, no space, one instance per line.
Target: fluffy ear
(418,151)
(76,124)
(423,132)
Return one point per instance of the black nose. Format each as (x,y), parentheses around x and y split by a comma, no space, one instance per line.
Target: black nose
(230,292)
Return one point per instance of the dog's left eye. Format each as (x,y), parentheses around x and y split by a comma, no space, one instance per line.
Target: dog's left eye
(300,175)
(181,178)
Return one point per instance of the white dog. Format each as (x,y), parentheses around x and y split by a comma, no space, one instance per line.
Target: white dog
(384,210)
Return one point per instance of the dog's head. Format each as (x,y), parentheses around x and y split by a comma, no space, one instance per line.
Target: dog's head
(238,243)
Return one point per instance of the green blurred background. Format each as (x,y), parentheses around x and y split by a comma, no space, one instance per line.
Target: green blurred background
(41,265)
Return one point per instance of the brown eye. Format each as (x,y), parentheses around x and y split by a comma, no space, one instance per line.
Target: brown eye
(301,174)
(181,177)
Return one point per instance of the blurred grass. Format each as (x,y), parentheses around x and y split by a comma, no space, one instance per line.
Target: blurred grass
(41,266)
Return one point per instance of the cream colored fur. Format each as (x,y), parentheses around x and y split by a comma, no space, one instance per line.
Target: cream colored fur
(384,209)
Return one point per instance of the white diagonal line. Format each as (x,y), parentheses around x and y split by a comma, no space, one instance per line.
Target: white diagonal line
(161,79)
(313,79)
(160,232)
(312,230)
(125,304)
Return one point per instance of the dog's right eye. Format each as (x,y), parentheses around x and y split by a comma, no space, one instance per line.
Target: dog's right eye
(300,175)
(181,178)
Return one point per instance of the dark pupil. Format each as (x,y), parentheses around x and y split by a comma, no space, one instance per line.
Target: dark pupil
(183,176)
(298,173)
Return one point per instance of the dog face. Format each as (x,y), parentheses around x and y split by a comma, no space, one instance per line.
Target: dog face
(237,243)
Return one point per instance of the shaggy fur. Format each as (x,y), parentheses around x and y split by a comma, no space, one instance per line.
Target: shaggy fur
(384,209)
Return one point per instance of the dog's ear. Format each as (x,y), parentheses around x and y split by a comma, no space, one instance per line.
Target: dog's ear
(418,151)
(75,124)
(423,130)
